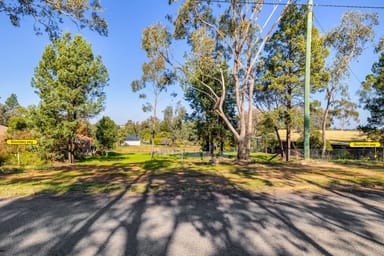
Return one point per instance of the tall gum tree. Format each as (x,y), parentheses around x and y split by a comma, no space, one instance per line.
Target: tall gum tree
(156,42)
(284,70)
(69,80)
(233,33)
(347,42)
(372,98)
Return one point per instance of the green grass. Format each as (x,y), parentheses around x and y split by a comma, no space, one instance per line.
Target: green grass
(137,173)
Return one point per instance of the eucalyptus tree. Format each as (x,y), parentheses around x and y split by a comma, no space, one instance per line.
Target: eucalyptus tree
(69,80)
(48,14)
(156,43)
(347,42)
(228,38)
(210,127)
(372,98)
(284,62)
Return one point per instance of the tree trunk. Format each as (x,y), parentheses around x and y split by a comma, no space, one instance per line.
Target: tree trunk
(281,145)
(154,124)
(71,149)
(288,148)
(323,135)
(288,122)
(241,149)
(324,126)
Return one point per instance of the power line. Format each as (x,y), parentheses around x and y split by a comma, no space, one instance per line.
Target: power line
(314,5)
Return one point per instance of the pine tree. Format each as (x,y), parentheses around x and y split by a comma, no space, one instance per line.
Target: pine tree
(106,133)
(69,81)
(285,65)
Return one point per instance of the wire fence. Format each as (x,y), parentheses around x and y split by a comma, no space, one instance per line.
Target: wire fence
(347,153)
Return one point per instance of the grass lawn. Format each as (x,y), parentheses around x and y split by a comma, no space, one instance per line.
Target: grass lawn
(137,173)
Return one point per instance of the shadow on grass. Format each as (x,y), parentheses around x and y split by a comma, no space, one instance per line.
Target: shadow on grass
(10,170)
(374,165)
(112,156)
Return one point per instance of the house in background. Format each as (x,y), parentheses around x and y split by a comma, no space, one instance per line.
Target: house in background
(131,141)
(84,144)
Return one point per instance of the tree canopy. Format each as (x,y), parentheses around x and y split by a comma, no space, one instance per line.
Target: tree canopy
(106,133)
(282,75)
(226,39)
(372,99)
(48,14)
(347,42)
(69,81)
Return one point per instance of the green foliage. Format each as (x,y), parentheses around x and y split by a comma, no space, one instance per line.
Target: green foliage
(11,102)
(282,75)
(49,14)
(106,133)
(347,41)
(315,141)
(372,98)
(17,123)
(4,155)
(225,42)
(69,81)
(156,42)
(10,108)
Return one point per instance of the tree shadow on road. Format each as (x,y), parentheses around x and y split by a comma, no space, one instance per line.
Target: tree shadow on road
(183,212)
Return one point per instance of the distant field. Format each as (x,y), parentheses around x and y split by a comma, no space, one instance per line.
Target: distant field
(145,148)
(334,136)
(137,173)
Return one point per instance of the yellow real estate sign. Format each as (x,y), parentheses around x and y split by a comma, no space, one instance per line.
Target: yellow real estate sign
(21,142)
(364,144)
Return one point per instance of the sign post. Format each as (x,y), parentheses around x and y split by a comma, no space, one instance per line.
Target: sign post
(21,142)
(366,144)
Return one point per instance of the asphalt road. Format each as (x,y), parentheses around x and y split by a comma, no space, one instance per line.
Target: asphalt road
(329,223)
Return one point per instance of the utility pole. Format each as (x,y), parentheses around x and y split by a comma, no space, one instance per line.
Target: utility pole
(307,83)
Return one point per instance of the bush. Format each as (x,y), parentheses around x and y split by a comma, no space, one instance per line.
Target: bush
(315,141)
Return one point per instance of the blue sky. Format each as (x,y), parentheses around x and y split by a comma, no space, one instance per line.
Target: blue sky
(21,49)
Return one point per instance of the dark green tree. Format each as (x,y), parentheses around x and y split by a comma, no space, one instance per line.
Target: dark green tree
(11,102)
(285,66)
(10,108)
(106,133)
(69,81)
(48,14)
(210,127)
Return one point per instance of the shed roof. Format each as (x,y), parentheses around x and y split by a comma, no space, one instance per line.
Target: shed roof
(131,138)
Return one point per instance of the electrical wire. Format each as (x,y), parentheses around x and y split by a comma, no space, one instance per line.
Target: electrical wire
(314,5)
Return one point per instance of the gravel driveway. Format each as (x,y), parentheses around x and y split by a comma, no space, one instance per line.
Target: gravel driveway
(326,223)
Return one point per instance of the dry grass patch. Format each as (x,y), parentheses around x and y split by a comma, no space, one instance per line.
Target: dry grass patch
(174,175)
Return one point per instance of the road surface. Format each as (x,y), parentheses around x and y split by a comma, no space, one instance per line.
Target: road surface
(302,223)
